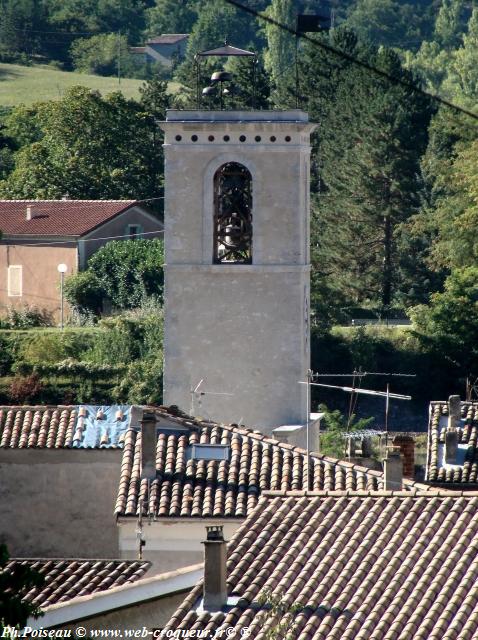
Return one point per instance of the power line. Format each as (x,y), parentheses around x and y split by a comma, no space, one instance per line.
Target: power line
(55,242)
(346,56)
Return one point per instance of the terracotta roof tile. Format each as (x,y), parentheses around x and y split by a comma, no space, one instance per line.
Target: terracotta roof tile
(58,217)
(467,471)
(357,567)
(67,579)
(197,488)
(54,427)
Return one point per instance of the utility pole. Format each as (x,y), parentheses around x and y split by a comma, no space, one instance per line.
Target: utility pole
(119,57)
(387,248)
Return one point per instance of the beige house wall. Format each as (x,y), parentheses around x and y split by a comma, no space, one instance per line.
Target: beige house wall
(40,277)
(170,543)
(118,227)
(150,615)
(59,502)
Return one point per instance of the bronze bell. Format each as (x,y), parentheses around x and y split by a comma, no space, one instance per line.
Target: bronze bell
(220,76)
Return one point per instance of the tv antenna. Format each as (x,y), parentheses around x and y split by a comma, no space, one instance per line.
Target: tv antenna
(196,394)
(356,390)
(471,388)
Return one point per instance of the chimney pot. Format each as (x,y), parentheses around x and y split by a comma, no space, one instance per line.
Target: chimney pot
(148,445)
(393,470)
(215,571)
(454,412)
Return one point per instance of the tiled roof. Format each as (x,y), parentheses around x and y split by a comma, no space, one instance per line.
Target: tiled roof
(168,38)
(388,566)
(59,427)
(184,487)
(58,217)
(67,579)
(467,470)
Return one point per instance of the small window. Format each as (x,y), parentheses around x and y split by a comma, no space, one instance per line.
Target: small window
(134,231)
(208,452)
(15,281)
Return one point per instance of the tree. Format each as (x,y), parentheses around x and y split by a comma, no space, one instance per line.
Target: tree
(462,82)
(125,272)
(449,324)
(171,16)
(14,586)
(280,53)
(450,23)
(365,167)
(390,22)
(90,147)
(20,21)
(99,54)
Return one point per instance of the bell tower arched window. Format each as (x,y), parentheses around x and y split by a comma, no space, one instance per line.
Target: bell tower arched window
(232,214)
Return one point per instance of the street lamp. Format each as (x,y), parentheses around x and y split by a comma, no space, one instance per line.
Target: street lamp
(62,269)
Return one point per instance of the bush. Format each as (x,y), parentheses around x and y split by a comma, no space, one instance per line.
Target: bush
(126,272)
(26,318)
(84,293)
(43,348)
(25,389)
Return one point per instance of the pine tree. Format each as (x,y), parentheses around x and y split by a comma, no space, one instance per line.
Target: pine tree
(280,53)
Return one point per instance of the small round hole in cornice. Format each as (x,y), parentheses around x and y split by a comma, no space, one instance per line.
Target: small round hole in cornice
(211,138)
(273,138)
(178,138)
(258,138)
(287,138)
(194,138)
(226,138)
(242,138)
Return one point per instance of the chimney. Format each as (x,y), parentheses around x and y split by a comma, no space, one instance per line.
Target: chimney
(393,470)
(406,444)
(215,573)
(148,445)
(454,412)
(451,446)
(33,211)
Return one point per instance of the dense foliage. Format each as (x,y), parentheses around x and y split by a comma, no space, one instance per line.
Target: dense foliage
(14,585)
(125,273)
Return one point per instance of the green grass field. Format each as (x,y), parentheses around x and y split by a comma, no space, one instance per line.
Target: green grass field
(26,85)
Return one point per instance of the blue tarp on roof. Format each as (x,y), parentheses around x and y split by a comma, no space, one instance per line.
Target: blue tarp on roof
(101,425)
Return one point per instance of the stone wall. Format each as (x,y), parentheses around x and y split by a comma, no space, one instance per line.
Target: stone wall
(59,503)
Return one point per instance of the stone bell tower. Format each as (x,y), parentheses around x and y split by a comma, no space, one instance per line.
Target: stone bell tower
(237,264)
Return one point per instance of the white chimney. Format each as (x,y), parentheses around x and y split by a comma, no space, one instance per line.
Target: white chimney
(393,471)
(454,412)
(32,211)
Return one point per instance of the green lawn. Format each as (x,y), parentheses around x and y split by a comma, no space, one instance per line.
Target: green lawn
(25,85)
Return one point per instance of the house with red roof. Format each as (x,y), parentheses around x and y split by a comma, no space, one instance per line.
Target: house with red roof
(39,235)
